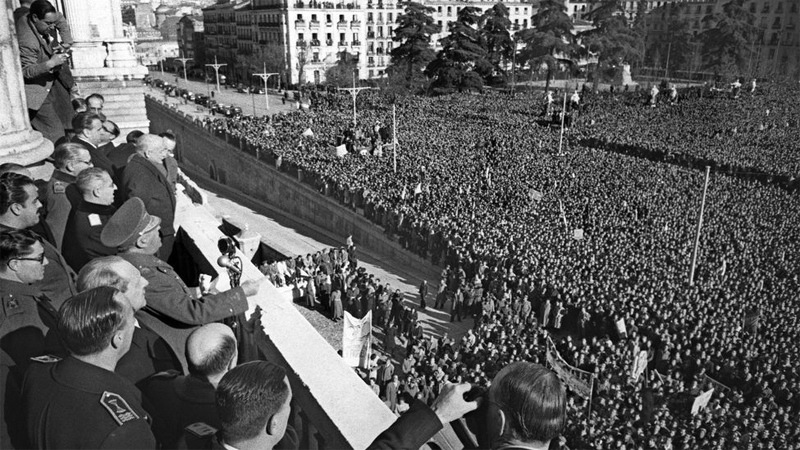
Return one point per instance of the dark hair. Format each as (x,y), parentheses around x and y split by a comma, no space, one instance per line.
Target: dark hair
(534,400)
(114,128)
(215,361)
(10,167)
(95,95)
(12,190)
(168,134)
(84,120)
(88,321)
(79,103)
(41,8)
(15,244)
(133,136)
(247,397)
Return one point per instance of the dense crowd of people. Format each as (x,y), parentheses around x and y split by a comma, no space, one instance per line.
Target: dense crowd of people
(601,237)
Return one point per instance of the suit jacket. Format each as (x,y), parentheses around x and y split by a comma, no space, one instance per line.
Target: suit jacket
(143,179)
(172,310)
(99,158)
(34,52)
(410,431)
(82,234)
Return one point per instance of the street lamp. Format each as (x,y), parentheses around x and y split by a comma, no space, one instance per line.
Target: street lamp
(216,69)
(354,92)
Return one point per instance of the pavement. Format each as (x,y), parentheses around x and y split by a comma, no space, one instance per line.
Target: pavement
(251,104)
(292,237)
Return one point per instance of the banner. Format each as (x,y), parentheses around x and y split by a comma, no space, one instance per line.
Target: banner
(621,329)
(339,151)
(357,340)
(639,364)
(701,401)
(308,133)
(580,381)
(577,234)
(418,189)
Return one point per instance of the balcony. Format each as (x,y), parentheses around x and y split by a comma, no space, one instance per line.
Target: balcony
(301,43)
(329,42)
(355,24)
(263,24)
(314,24)
(357,44)
(323,417)
(299,24)
(342,25)
(342,44)
(329,24)
(370,35)
(315,43)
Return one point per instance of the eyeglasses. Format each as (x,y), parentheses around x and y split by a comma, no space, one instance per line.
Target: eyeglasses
(39,259)
(85,161)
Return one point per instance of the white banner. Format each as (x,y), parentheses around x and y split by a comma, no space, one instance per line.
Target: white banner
(580,381)
(639,364)
(357,340)
(701,401)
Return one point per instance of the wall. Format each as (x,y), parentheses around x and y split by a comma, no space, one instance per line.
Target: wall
(199,149)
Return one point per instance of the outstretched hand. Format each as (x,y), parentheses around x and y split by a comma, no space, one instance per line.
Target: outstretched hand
(451,405)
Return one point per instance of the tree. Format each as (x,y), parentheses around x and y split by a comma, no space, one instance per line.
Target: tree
(550,40)
(677,41)
(611,40)
(463,61)
(341,75)
(413,33)
(271,57)
(727,44)
(303,50)
(494,25)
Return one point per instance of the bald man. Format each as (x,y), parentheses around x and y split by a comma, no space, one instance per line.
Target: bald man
(176,401)
(146,177)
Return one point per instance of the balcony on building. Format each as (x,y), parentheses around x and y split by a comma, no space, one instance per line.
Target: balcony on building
(314,24)
(299,23)
(301,43)
(342,44)
(356,43)
(370,35)
(315,42)
(329,42)
(342,25)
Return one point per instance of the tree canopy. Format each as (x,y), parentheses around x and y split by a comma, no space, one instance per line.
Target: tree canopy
(413,33)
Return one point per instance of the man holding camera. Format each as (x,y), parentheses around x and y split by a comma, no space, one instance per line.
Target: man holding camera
(47,80)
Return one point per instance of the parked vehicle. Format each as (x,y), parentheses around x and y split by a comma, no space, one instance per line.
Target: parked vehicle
(234,111)
(201,99)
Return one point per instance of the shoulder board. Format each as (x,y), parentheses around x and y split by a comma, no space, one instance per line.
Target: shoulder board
(119,409)
(46,359)
(201,429)
(167,374)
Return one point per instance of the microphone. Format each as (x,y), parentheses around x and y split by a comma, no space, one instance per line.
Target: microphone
(224,261)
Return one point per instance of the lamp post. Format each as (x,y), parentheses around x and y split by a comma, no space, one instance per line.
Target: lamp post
(265,76)
(216,69)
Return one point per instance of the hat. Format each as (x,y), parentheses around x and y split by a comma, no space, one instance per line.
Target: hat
(126,225)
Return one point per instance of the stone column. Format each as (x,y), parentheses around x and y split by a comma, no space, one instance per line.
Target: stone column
(18,142)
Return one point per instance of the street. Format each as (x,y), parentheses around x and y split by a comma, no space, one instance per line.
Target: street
(251,104)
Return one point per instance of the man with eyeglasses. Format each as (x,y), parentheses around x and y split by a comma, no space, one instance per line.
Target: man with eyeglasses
(60,194)
(19,210)
(25,317)
(48,82)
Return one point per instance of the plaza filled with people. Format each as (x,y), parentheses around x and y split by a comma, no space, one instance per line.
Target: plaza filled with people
(589,237)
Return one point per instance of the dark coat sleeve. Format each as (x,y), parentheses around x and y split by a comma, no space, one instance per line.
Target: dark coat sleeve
(135,434)
(410,431)
(140,181)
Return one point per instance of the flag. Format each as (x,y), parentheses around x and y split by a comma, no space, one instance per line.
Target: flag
(308,133)
(621,328)
(340,151)
(701,401)
(418,189)
(357,339)
(578,234)
(639,364)
(404,194)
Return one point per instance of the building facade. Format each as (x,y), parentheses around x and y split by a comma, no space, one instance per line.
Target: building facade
(775,49)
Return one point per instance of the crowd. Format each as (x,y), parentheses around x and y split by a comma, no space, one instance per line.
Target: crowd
(601,237)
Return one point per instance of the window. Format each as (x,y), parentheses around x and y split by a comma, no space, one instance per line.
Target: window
(300,17)
(355,37)
(313,17)
(449,10)
(328,18)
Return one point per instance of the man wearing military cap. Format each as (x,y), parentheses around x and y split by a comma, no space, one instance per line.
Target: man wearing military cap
(173,309)
(79,402)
